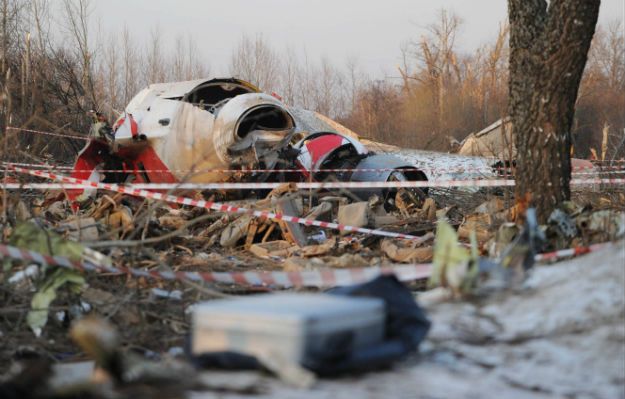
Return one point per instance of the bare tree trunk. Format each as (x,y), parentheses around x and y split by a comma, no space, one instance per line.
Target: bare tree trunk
(129,66)
(5,36)
(155,67)
(290,76)
(548,52)
(77,14)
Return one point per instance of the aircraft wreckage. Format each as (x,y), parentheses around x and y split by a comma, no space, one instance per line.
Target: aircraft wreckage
(204,131)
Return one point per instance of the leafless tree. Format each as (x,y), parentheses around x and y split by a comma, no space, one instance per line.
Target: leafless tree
(155,62)
(111,73)
(609,54)
(196,67)
(289,76)
(256,61)
(440,92)
(601,96)
(186,63)
(130,63)
(12,35)
(77,14)
(355,80)
(307,83)
(327,95)
(438,57)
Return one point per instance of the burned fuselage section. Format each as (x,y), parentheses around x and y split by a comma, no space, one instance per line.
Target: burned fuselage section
(206,130)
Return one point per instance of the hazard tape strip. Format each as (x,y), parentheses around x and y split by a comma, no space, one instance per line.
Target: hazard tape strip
(356,185)
(43,166)
(477,172)
(599,161)
(82,184)
(583,182)
(565,253)
(214,205)
(70,136)
(265,186)
(320,278)
(42,186)
(464,170)
(47,167)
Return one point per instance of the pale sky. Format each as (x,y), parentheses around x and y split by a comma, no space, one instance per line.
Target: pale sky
(370,30)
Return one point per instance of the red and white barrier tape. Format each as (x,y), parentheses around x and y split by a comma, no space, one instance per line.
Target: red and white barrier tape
(321,278)
(43,166)
(479,171)
(599,161)
(70,136)
(584,182)
(214,205)
(82,184)
(599,172)
(565,253)
(270,186)
(599,168)
(42,186)
(356,185)
(247,171)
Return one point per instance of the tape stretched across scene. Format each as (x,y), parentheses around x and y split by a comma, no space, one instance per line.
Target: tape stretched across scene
(476,171)
(214,205)
(565,253)
(130,190)
(54,134)
(320,278)
(82,184)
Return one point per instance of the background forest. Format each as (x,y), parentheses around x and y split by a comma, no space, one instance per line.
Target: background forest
(56,66)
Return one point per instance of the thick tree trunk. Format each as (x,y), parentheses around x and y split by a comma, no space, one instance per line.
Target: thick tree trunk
(548,51)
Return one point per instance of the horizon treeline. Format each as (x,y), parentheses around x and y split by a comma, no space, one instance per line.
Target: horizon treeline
(50,79)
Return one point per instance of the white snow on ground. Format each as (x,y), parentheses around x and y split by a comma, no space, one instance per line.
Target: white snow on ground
(562,335)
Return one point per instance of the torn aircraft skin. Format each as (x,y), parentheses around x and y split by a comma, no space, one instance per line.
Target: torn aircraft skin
(196,131)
